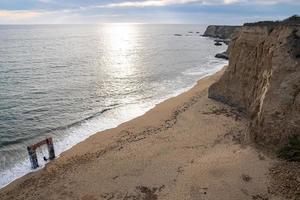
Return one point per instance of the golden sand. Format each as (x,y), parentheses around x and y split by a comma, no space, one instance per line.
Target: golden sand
(187,147)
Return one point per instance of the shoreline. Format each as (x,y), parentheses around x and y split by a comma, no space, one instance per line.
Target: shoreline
(183,138)
(62,148)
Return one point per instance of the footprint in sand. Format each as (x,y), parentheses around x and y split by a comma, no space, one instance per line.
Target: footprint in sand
(88,197)
(198,193)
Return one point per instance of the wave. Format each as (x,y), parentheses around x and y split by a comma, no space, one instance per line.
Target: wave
(67,136)
(83,120)
(206,69)
(37,110)
(58,66)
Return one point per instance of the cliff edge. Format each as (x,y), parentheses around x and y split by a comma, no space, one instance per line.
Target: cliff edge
(263,79)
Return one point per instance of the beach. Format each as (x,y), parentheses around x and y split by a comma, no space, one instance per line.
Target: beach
(187,147)
(71,99)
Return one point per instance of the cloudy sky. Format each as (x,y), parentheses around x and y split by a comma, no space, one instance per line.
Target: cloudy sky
(144,11)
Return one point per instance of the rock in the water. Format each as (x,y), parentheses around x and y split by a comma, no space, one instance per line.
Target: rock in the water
(218,44)
(222,55)
(263,79)
(225,41)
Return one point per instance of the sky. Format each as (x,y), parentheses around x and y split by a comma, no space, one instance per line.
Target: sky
(145,11)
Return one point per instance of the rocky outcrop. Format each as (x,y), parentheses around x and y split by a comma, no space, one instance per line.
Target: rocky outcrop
(223,55)
(218,44)
(222,32)
(263,79)
(225,41)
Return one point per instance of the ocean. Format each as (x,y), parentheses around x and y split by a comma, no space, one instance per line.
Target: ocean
(71,81)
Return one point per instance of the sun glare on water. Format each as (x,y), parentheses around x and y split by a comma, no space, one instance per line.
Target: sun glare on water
(121,44)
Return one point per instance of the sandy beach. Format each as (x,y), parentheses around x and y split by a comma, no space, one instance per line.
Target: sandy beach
(187,147)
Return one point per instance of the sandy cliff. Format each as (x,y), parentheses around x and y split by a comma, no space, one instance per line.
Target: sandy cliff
(263,79)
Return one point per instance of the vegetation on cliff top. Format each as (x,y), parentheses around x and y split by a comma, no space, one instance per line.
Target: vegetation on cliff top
(293,20)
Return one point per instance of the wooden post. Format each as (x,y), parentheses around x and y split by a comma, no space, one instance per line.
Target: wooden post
(33,157)
(32,151)
(50,148)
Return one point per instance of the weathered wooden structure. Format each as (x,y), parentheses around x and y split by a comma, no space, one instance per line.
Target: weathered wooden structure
(32,151)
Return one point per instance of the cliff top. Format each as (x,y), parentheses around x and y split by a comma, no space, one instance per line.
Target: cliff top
(229,26)
(293,20)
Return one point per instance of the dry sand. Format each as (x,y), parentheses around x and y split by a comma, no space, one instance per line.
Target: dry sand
(188,147)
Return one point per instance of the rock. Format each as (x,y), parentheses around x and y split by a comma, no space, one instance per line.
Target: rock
(222,32)
(263,79)
(218,44)
(225,41)
(177,35)
(222,55)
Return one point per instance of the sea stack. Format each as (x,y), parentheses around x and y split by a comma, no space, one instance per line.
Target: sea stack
(263,79)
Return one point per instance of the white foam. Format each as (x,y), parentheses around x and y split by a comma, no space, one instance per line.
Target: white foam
(207,69)
(74,135)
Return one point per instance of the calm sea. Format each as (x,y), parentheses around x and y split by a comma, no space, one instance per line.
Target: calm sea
(70,81)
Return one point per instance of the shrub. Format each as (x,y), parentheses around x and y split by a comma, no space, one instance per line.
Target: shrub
(291,152)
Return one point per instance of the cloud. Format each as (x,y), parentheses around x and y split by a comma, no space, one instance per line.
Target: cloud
(149,3)
(28,16)
(160,3)
(75,11)
(18,15)
(231,1)
(45,1)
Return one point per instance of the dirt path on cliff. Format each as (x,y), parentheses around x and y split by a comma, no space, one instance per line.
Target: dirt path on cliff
(188,147)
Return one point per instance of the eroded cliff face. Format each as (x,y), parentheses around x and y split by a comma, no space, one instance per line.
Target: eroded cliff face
(263,80)
(222,32)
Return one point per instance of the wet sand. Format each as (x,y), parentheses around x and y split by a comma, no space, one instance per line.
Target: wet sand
(187,147)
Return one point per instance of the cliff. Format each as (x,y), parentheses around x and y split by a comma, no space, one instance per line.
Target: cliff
(263,79)
(222,32)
